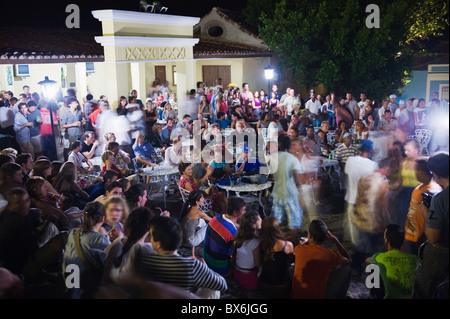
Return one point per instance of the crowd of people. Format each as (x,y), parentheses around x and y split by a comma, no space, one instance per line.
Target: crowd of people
(86,209)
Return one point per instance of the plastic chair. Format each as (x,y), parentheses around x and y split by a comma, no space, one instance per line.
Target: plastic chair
(331,138)
(207,203)
(423,136)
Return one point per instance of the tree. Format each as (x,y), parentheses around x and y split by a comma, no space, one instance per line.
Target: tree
(329,42)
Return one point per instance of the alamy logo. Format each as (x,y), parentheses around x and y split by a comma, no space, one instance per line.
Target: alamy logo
(73,19)
(373,279)
(373,19)
(73,278)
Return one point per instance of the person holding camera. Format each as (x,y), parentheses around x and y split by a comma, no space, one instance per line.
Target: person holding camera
(432,273)
(419,206)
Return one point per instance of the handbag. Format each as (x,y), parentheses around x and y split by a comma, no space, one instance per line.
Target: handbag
(90,278)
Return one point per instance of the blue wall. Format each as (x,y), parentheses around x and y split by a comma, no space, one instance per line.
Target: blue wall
(417,87)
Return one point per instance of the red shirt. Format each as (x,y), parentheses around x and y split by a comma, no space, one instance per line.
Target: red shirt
(313,265)
(93,116)
(46,126)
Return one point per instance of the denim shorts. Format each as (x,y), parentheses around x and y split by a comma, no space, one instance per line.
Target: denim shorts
(290,209)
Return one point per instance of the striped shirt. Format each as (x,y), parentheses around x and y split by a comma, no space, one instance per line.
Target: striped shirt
(343,152)
(218,244)
(187,273)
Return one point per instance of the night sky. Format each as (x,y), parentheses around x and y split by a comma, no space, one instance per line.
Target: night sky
(51,13)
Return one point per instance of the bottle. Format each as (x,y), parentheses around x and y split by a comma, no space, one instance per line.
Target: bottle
(330,156)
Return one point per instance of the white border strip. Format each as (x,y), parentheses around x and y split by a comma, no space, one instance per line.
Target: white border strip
(143,17)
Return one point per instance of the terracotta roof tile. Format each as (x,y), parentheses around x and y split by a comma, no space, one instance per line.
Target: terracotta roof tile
(34,45)
(216,49)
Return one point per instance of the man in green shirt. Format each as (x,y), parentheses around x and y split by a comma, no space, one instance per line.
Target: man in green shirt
(396,268)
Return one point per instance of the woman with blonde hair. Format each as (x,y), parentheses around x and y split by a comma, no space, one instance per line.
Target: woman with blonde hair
(116,210)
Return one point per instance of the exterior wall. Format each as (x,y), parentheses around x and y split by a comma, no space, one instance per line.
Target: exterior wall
(417,87)
(253,69)
(38,72)
(231,33)
(423,83)
(96,82)
(438,75)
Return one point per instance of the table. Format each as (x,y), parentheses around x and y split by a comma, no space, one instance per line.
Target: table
(96,161)
(161,176)
(241,187)
(159,170)
(328,166)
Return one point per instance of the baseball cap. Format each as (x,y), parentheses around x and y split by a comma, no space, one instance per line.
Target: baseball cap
(366,146)
(401,102)
(392,96)
(347,135)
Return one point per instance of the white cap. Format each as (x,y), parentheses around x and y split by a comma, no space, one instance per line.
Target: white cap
(401,102)
(392,96)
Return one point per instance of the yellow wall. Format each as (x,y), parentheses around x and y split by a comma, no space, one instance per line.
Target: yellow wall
(38,72)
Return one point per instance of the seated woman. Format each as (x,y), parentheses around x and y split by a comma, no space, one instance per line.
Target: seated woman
(112,189)
(246,255)
(340,131)
(264,121)
(222,169)
(214,200)
(94,243)
(193,220)
(109,160)
(186,181)
(65,183)
(120,255)
(169,112)
(361,131)
(35,186)
(369,121)
(277,255)
(116,213)
(43,169)
(111,137)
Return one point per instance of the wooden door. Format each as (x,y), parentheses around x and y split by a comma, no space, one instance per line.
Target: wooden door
(160,72)
(212,72)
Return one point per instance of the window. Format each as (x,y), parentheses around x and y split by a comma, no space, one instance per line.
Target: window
(174,74)
(215,31)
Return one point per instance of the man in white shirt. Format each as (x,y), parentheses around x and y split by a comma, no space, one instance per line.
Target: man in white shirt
(173,154)
(78,159)
(313,105)
(355,168)
(393,103)
(351,104)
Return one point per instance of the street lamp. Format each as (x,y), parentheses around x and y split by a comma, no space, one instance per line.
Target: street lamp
(268,74)
(49,89)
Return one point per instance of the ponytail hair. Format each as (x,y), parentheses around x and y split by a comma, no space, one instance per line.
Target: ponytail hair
(137,224)
(93,213)
(194,197)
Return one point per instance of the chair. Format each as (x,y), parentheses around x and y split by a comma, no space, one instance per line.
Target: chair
(423,136)
(207,203)
(331,138)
